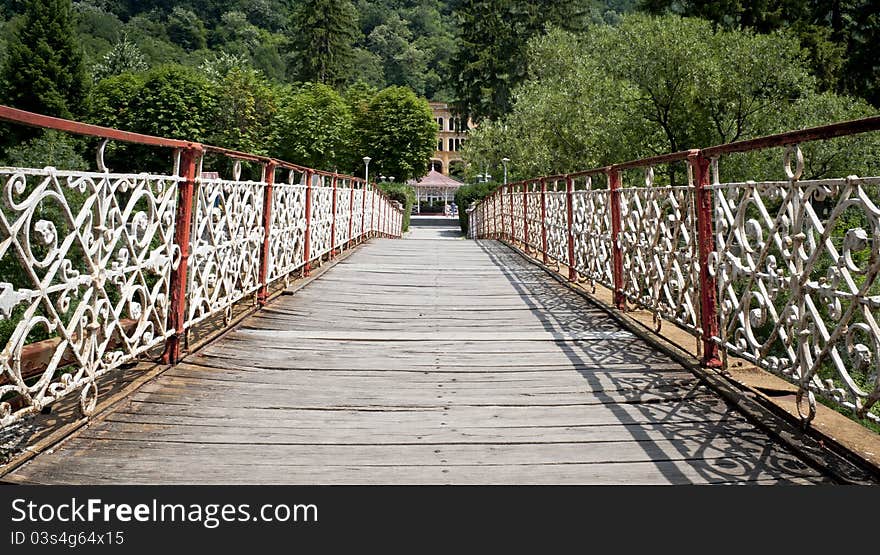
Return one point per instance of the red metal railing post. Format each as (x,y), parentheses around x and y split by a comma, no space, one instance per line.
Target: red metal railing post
(511,193)
(182,230)
(307,243)
(364,211)
(503,191)
(333,223)
(350,212)
(263,292)
(511,232)
(525,203)
(544,256)
(499,210)
(616,254)
(705,245)
(373,212)
(381,225)
(569,208)
(493,210)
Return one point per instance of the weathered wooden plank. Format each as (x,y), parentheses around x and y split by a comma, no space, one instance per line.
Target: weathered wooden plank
(218,473)
(769,461)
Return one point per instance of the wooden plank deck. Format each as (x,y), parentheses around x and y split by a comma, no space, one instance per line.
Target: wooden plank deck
(427,360)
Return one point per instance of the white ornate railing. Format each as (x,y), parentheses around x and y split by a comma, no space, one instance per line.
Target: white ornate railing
(98,268)
(783,274)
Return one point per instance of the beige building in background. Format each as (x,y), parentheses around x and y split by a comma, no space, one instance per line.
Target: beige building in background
(451,134)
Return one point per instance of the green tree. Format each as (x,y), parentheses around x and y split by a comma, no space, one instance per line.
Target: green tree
(186,29)
(841,37)
(124,57)
(245,110)
(325,33)
(404,64)
(698,85)
(398,132)
(315,128)
(43,70)
(490,60)
(547,131)
(861,22)
(168,101)
(651,85)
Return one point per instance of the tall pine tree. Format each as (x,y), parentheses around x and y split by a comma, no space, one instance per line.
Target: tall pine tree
(325,31)
(44,69)
(490,60)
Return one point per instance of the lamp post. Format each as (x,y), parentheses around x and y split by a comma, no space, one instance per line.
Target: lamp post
(505,161)
(367,168)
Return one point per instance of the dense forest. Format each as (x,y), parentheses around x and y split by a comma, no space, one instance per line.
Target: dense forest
(555,85)
(387,42)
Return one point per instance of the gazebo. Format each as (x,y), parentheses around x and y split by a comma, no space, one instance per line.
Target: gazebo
(435,186)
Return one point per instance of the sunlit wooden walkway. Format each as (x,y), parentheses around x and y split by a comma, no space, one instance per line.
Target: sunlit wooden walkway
(426,360)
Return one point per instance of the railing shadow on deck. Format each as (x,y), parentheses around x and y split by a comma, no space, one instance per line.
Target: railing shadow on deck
(736,453)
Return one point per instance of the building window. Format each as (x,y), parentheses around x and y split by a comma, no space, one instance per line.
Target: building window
(452,145)
(440,124)
(440,145)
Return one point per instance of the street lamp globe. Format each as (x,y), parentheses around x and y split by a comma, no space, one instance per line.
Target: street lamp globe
(367,168)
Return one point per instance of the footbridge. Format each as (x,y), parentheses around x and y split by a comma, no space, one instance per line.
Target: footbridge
(278,325)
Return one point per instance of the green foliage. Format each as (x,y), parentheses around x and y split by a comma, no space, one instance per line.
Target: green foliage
(174,102)
(48,148)
(860,27)
(123,57)
(398,132)
(841,38)
(490,60)
(43,70)
(467,194)
(325,33)
(244,111)
(404,64)
(186,29)
(405,195)
(169,101)
(650,85)
(315,127)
